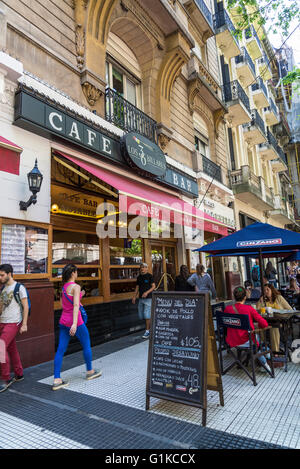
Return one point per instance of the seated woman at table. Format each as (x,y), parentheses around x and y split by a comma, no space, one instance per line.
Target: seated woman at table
(273,299)
(238,337)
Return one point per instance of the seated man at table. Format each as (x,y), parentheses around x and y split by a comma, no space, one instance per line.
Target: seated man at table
(238,337)
(252,293)
(273,299)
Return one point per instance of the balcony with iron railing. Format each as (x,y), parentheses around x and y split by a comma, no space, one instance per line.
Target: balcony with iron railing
(202,164)
(253,43)
(204,9)
(254,131)
(202,16)
(264,67)
(128,117)
(260,94)
(225,32)
(245,68)
(212,169)
(280,164)
(270,150)
(250,188)
(237,102)
(271,112)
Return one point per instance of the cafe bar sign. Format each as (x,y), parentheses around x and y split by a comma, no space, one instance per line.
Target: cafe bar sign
(143,155)
(34,114)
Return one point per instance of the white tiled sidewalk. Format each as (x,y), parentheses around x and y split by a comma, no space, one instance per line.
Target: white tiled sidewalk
(20,434)
(268,412)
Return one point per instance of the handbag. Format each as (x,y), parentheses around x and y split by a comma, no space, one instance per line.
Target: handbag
(81,308)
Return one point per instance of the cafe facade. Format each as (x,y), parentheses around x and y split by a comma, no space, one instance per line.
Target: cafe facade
(114,193)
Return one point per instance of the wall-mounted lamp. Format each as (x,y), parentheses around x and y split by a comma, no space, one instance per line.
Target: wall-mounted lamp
(35,179)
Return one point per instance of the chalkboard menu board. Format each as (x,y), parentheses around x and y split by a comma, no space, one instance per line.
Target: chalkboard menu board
(178,347)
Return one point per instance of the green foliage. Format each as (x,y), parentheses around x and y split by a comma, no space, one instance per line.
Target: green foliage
(280,13)
(292,76)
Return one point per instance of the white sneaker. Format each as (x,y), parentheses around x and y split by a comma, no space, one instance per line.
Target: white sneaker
(265,369)
(146,335)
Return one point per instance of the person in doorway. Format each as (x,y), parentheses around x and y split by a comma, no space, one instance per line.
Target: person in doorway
(202,281)
(144,288)
(13,319)
(273,299)
(71,324)
(270,274)
(252,293)
(255,273)
(238,337)
(181,281)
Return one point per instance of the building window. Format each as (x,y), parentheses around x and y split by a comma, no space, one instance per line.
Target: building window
(125,85)
(25,247)
(201,146)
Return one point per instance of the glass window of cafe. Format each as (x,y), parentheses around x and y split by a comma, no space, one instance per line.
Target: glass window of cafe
(25,245)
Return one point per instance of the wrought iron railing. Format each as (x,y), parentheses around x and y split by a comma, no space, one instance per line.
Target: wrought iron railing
(204,9)
(221,18)
(260,85)
(274,108)
(264,61)
(256,120)
(249,32)
(281,154)
(211,169)
(245,57)
(128,117)
(271,139)
(233,91)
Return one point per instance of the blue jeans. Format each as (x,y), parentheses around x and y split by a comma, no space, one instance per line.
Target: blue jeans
(262,359)
(83,336)
(144,308)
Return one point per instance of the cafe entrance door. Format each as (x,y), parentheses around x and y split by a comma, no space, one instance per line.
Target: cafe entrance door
(164,265)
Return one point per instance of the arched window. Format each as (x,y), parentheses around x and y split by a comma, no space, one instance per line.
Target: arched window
(123,73)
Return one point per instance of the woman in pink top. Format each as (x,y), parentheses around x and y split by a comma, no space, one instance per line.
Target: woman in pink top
(70,324)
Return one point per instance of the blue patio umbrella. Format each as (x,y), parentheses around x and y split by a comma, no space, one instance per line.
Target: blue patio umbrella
(258,238)
(295,256)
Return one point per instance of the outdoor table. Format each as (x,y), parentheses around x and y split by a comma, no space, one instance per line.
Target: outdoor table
(282,320)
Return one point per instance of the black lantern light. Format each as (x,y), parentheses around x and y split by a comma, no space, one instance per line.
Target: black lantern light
(35,179)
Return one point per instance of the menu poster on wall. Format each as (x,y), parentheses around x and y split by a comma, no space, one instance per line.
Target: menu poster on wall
(25,248)
(13,247)
(177,360)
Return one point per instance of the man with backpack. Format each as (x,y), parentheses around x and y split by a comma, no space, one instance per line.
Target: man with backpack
(14,309)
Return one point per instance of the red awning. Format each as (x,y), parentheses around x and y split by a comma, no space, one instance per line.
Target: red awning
(138,199)
(9,156)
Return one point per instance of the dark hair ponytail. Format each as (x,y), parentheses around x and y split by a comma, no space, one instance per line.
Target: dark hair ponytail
(67,272)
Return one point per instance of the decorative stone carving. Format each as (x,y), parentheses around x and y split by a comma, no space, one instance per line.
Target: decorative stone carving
(80,45)
(80,7)
(91,93)
(92,86)
(83,3)
(163,141)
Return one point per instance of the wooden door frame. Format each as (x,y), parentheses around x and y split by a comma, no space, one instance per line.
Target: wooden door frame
(164,244)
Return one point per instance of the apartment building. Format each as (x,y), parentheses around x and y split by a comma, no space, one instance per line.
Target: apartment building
(258,168)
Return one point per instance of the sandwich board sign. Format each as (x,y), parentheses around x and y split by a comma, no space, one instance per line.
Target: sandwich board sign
(182,359)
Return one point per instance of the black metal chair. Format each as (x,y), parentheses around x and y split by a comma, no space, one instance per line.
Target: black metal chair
(214,308)
(253,352)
